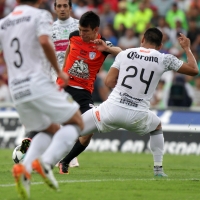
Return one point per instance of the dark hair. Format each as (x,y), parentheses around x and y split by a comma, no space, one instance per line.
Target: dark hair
(153,36)
(69,2)
(29,1)
(89,19)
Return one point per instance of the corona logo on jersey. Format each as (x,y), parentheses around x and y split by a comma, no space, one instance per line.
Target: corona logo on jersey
(132,55)
(79,69)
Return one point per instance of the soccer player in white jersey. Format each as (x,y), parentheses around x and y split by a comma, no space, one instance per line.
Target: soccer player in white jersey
(134,76)
(25,39)
(61,29)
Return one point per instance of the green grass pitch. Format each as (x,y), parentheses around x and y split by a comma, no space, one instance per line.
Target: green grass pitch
(112,176)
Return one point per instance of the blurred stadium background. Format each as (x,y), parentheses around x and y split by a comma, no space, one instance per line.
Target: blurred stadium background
(177,98)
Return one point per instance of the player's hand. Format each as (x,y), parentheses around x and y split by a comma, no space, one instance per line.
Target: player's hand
(64,77)
(100,45)
(184,41)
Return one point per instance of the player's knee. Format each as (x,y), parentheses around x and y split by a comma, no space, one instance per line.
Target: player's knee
(77,120)
(159,127)
(156,132)
(52,129)
(85,140)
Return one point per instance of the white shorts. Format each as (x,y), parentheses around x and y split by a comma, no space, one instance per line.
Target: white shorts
(110,117)
(39,114)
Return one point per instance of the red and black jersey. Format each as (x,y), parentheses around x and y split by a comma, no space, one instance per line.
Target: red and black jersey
(83,62)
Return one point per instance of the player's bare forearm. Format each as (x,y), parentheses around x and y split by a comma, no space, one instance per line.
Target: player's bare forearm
(66,55)
(191,59)
(49,51)
(191,67)
(111,78)
(113,50)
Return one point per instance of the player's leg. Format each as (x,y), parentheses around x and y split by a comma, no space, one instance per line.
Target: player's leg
(64,112)
(154,128)
(141,122)
(62,142)
(157,149)
(39,115)
(84,99)
(32,118)
(79,146)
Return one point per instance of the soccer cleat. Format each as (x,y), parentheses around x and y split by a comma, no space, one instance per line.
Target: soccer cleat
(158,171)
(74,162)
(63,168)
(46,172)
(22,179)
(25,145)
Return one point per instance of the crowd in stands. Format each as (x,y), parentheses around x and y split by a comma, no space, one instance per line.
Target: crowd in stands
(123,23)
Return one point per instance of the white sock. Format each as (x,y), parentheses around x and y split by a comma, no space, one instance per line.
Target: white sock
(62,142)
(38,145)
(157,148)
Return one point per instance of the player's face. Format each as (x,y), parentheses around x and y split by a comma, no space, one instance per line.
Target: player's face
(87,34)
(62,9)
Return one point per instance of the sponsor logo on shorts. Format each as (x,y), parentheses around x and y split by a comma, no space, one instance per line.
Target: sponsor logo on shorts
(22,94)
(70,99)
(98,115)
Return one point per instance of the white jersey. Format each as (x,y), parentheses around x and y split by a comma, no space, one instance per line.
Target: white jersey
(140,70)
(23,53)
(60,36)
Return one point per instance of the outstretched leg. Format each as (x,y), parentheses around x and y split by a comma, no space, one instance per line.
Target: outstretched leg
(82,143)
(157,149)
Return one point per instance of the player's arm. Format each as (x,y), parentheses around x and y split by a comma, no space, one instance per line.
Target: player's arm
(43,32)
(49,51)
(191,67)
(51,56)
(102,46)
(66,55)
(111,78)
(113,73)
(113,50)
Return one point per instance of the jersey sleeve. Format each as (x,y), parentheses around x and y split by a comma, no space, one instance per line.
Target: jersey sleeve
(171,62)
(44,23)
(74,33)
(108,43)
(116,63)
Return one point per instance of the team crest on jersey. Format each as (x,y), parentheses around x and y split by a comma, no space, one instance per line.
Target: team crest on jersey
(79,69)
(92,55)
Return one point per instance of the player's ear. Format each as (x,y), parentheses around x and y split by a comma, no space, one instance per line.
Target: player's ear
(142,41)
(96,29)
(159,47)
(39,2)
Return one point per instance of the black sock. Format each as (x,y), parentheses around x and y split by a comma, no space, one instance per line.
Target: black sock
(76,150)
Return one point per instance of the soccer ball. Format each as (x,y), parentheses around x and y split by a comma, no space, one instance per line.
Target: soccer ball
(17,155)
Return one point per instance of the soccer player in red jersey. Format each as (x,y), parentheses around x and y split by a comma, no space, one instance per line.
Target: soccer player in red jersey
(83,60)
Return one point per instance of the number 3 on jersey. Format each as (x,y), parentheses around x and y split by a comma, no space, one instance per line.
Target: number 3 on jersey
(16,45)
(147,82)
